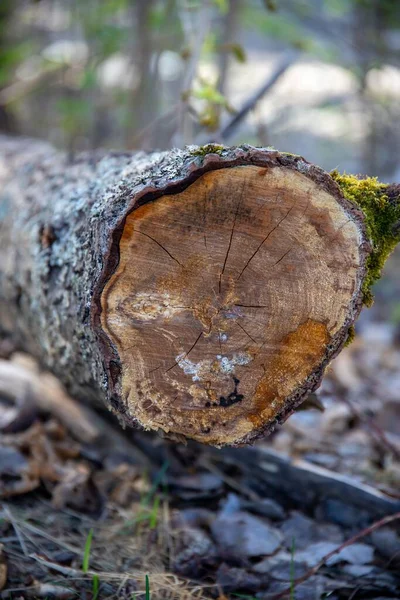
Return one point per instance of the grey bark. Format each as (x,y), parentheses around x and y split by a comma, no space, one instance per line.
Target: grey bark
(56,221)
(60,225)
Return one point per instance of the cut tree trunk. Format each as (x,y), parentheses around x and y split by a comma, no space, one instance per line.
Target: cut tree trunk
(200,293)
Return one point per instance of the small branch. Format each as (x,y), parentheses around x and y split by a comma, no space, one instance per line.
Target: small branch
(373,428)
(68,571)
(343,386)
(325,558)
(226,132)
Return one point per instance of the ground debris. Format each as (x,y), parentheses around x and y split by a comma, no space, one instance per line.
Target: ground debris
(357,554)
(18,475)
(234,579)
(31,391)
(242,536)
(3,568)
(205,523)
(196,553)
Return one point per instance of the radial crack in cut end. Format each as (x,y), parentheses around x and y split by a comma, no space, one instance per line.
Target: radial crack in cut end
(220,341)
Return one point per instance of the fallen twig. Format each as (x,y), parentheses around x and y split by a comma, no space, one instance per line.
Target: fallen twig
(41,590)
(374,429)
(346,378)
(325,558)
(56,567)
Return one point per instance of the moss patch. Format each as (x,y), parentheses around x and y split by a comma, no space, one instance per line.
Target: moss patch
(207,149)
(382,216)
(351,334)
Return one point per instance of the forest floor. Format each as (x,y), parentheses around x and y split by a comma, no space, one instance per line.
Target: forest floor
(130,515)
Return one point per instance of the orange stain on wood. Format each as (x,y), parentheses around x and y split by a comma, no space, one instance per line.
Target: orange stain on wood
(299,353)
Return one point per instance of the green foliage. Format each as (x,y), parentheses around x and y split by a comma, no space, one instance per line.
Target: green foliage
(148,596)
(213,101)
(209,92)
(148,513)
(149,504)
(395,314)
(12,56)
(270,5)
(74,114)
(388,10)
(153,518)
(156,483)
(89,78)
(157,16)
(278,26)
(86,553)
(222,5)
(382,215)
(336,8)
(100,27)
(238,52)
(210,44)
(95,587)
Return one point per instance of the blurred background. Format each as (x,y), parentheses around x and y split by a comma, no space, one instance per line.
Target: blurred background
(320,78)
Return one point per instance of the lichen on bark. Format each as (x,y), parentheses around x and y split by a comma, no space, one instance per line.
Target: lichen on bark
(380,204)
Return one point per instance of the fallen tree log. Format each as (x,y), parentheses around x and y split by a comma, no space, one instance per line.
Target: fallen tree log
(199,292)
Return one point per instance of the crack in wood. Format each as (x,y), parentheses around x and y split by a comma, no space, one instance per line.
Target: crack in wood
(265,239)
(243,329)
(187,353)
(158,244)
(251,305)
(230,239)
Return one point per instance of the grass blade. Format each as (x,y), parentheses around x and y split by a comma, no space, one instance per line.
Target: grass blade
(95,587)
(86,554)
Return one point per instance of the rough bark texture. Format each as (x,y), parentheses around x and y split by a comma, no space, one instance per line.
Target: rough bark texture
(68,230)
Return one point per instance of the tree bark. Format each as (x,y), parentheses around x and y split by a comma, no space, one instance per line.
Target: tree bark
(198,292)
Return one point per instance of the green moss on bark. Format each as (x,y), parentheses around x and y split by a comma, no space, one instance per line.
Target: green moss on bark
(382,215)
(207,149)
(351,334)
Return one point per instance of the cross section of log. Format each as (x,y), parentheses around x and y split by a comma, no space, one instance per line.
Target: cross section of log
(199,292)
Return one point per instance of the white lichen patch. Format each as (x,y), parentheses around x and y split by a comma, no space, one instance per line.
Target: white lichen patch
(189,367)
(222,364)
(302,166)
(227,365)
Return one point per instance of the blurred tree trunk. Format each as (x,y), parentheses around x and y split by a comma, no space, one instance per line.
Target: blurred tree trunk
(228,37)
(8,122)
(145,100)
(381,144)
